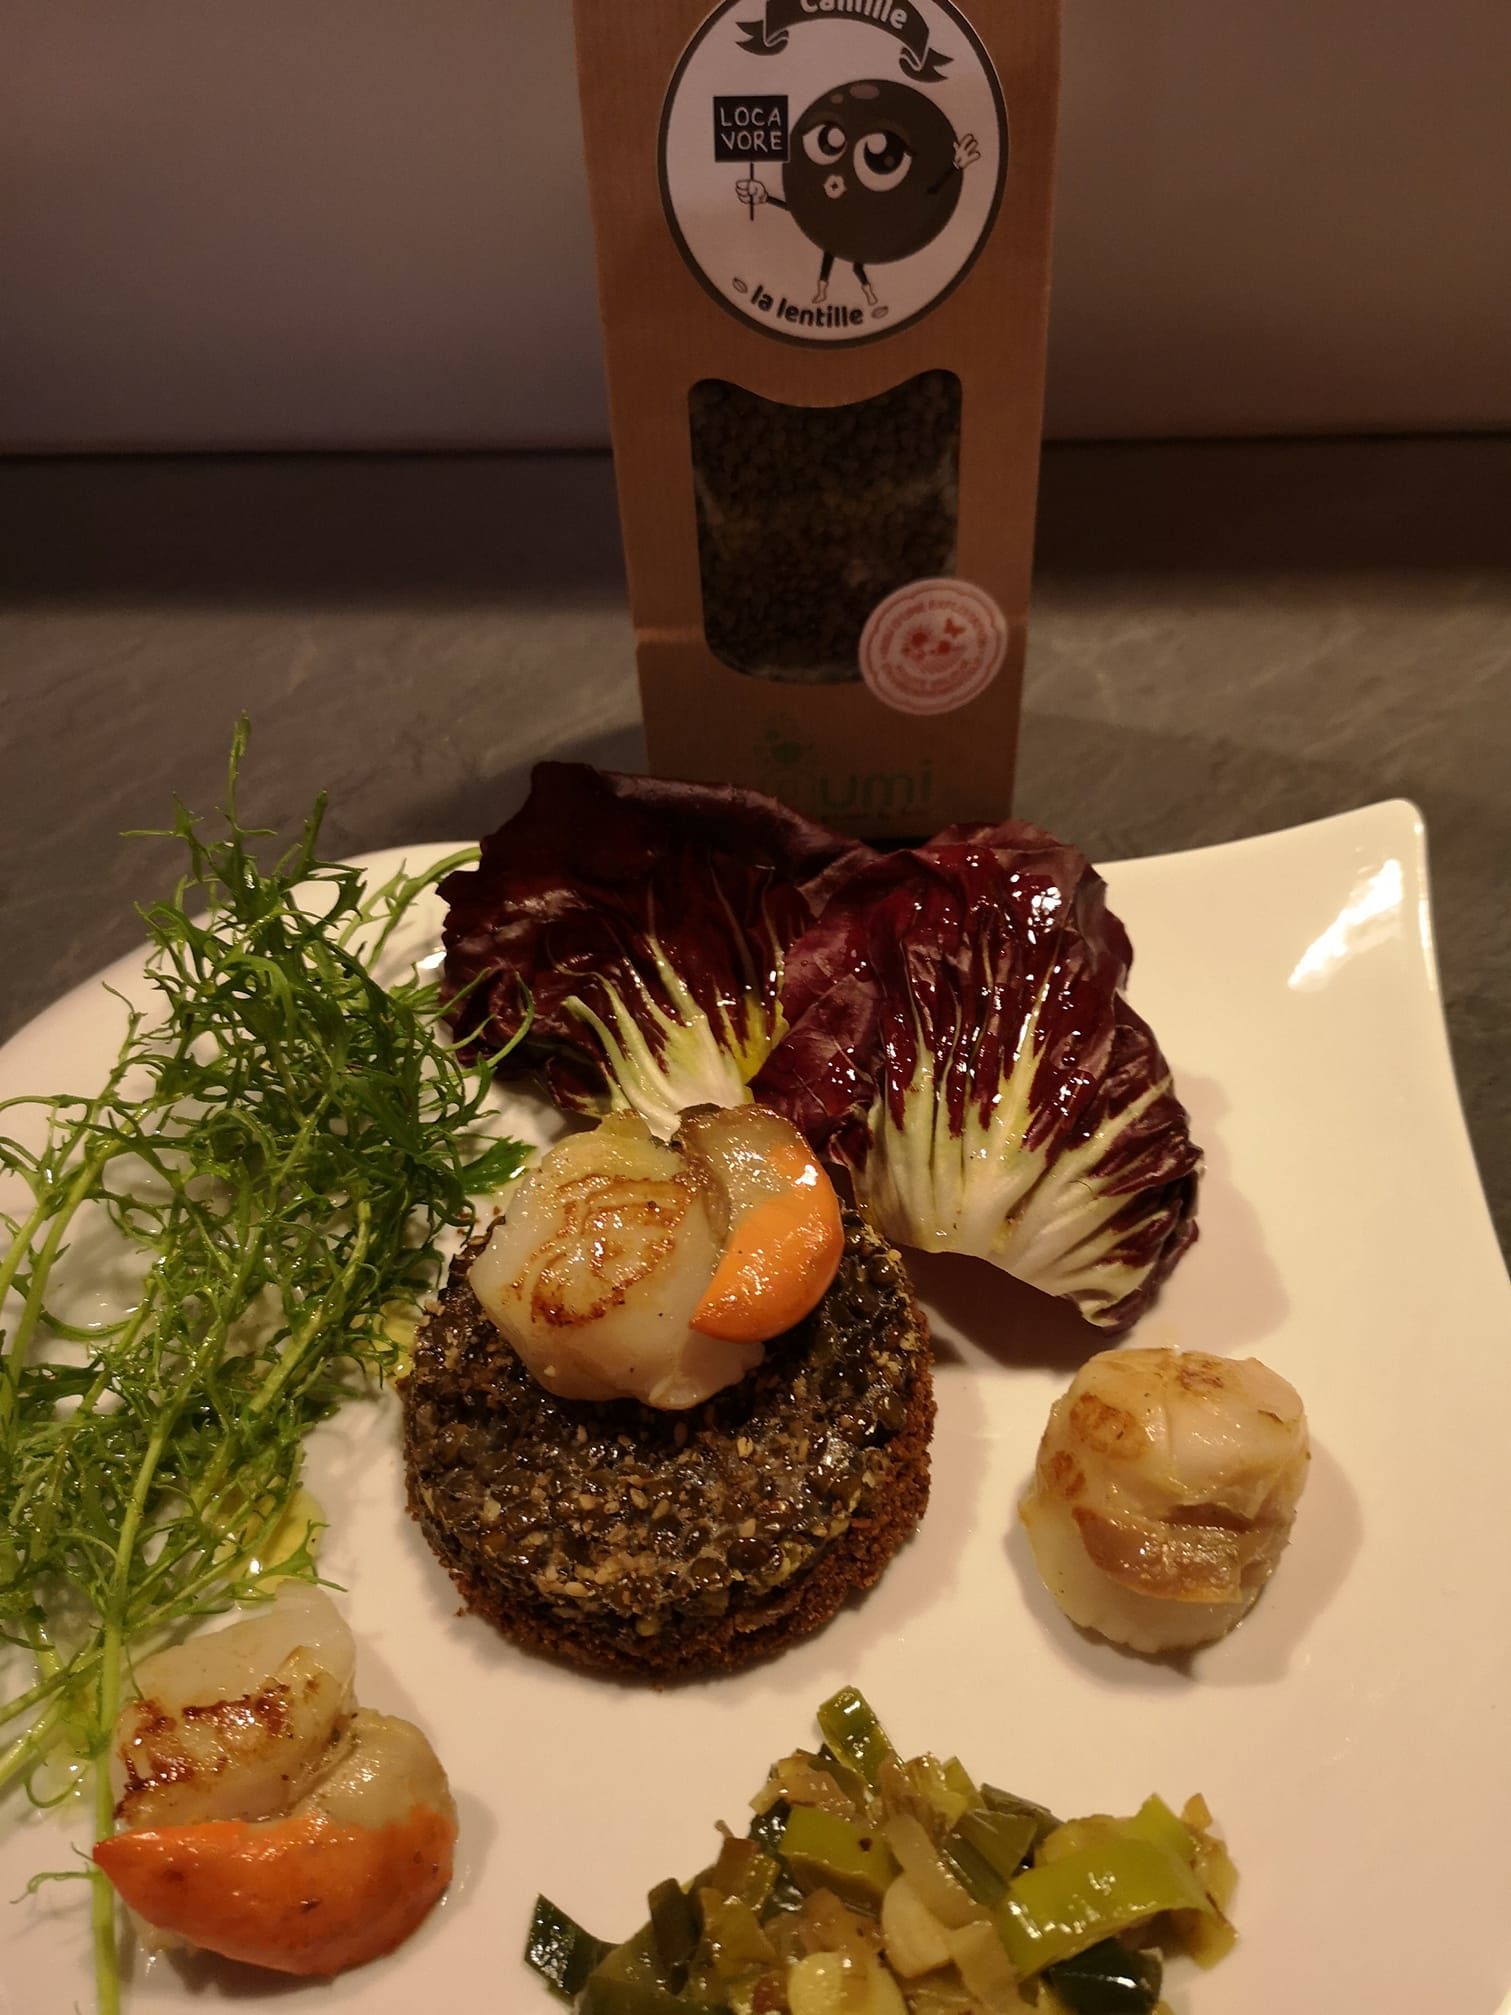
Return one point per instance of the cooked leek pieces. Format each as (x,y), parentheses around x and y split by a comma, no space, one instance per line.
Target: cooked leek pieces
(870,1885)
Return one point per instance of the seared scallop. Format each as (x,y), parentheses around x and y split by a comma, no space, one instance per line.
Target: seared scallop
(630,1269)
(264,1816)
(235,1723)
(1164,1492)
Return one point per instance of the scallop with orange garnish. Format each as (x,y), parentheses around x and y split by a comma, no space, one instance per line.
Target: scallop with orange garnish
(630,1269)
(264,1816)
(676,1410)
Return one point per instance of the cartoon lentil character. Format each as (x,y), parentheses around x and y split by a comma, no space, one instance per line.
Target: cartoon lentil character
(874,175)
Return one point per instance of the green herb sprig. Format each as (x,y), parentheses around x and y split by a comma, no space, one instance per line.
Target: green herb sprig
(279,1144)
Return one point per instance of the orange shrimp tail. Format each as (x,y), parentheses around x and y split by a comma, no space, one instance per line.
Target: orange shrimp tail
(296,1895)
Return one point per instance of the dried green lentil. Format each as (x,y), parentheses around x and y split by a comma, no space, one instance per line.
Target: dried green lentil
(808,516)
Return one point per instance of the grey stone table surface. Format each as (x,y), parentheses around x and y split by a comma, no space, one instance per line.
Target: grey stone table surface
(1227,639)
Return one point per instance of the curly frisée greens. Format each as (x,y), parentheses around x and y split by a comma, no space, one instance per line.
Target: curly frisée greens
(271,1160)
(868,1885)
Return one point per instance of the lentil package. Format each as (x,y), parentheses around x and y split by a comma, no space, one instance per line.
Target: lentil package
(823,247)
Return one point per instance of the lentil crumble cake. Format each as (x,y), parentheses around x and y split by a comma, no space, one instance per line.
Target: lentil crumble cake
(631,1540)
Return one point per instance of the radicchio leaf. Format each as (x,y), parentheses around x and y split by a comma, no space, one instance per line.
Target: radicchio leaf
(958,1038)
(642,926)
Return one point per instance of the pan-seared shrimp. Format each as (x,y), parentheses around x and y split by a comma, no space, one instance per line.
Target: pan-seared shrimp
(265,1818)
(1164,1492)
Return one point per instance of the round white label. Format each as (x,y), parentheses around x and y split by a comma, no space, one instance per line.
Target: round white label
(831,168)
(933,645)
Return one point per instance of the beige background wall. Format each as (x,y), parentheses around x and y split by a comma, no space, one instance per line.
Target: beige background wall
(362,222)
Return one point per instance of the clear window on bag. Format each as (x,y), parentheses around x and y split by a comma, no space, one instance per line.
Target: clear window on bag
(808,516)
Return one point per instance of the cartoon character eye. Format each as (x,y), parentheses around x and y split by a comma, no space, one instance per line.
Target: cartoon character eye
(825,144)
(882,159)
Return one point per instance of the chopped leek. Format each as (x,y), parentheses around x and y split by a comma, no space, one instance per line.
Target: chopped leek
(1002,1839)
(1063,1906)
(855,1735)
(870,1885)
(674,1925)
(1044,1821)
(560,1949)
(823,1851)
(1108,1979)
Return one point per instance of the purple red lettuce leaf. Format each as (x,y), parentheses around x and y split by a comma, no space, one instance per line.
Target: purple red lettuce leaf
(642,926)
(958,1038)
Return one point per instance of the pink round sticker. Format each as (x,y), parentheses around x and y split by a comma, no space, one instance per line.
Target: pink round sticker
(933,645)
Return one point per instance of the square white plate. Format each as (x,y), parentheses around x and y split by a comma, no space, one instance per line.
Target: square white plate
(1353,1736)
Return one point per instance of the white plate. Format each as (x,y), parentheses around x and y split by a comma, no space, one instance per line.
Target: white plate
(1351,1735)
